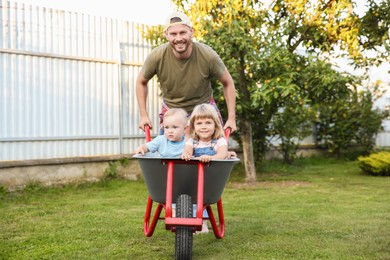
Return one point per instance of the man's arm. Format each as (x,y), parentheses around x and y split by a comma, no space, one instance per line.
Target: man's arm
(229,91)
(141,90)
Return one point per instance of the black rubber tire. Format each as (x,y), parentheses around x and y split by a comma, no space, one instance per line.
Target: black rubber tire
(183,239)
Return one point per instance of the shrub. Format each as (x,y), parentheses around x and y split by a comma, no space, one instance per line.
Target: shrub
(350,121)
(291,125)
(376,164)
(111,171)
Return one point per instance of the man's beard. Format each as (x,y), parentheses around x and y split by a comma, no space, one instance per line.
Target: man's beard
(183,47)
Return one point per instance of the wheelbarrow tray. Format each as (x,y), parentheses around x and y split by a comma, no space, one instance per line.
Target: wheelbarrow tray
(216,175)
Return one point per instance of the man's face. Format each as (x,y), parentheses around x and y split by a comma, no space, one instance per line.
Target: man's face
(179,37)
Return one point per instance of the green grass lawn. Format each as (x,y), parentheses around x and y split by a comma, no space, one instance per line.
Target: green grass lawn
(315,209)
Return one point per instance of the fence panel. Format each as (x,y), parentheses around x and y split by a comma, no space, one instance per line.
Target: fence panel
(67,84)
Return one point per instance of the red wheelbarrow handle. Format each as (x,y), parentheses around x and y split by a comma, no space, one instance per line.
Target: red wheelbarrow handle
(147,133)
(227,132)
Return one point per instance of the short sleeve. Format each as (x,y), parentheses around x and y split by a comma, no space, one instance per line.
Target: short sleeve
(217,66)
(222,142)
(149,68)
(154,145)
(153,60)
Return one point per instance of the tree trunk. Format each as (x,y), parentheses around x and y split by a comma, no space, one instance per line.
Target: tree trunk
(246,137)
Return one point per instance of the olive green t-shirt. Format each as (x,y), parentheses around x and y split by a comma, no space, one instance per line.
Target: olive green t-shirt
(184,83)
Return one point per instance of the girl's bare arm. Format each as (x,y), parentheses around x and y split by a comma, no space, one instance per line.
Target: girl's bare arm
(187,152)
(222,152)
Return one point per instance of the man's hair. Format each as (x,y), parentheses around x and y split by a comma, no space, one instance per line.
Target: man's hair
(175,20)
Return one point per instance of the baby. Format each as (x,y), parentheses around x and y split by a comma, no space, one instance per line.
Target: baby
(171,144)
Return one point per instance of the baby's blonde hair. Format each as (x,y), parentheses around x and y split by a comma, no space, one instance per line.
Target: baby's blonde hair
(179,112)
(205,111)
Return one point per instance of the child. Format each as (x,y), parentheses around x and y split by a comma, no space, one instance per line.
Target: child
(170,144)
(206,139)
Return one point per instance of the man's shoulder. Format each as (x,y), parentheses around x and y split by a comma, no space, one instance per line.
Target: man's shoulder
(205,50)
(203,47)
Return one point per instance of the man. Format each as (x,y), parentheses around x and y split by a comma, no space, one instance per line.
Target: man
(184,69)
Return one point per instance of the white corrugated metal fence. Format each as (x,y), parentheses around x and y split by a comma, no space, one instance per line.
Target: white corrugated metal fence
(67,84)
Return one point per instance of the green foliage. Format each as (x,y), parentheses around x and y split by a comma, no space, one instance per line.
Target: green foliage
(124,161)
(374,31)
(111,171)
(370,121)
(336,126)
(291,125)
(351,120)
(153,34)
(377,164)
(317,25)
(32,186)
(321,84)
(3,191)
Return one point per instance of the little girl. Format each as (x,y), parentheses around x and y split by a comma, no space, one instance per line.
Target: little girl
(206,139)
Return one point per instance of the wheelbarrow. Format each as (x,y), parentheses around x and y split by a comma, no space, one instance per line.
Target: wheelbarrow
(175,181)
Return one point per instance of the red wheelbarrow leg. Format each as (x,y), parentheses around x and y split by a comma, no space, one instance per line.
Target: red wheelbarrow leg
(168,196)
(169,190)
(218,232)
(200,194)
(149,230)
(171,223)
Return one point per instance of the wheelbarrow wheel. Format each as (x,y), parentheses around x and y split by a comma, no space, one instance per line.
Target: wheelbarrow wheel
(183,240)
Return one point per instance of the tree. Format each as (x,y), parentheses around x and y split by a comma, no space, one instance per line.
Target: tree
(277,54)
(374,33)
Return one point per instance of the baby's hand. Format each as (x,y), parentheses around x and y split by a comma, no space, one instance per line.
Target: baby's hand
(186,157)
(141,150)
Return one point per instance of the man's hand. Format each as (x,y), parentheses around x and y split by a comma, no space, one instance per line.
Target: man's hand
(145,121)
(231,124)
